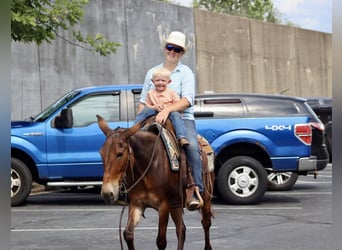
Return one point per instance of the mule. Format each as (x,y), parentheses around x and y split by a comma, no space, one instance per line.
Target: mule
(138,159)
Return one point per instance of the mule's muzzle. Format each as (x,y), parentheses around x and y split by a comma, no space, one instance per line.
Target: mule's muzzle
(110,194)
(109,197)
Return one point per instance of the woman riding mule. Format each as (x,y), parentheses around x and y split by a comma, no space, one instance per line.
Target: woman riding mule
(138,159)
(183,82)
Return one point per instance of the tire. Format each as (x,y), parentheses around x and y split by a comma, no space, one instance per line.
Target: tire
(242,180)
(21,182)
(328,139)
(281,181)
(328,144)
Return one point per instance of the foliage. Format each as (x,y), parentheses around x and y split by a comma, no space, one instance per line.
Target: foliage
(40,21)
(262,10)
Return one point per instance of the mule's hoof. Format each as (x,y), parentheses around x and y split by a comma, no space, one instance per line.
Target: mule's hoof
(194,205)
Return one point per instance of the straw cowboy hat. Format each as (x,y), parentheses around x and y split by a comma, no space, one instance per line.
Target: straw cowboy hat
(176,38)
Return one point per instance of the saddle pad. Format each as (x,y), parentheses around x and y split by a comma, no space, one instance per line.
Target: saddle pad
(205,146)
(170,144)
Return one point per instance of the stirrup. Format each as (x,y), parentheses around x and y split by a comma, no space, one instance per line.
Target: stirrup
(195,203)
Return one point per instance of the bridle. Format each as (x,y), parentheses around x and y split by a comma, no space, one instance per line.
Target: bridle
(130,162)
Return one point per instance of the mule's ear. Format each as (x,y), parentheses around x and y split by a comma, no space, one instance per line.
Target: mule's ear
(103,125)
(132,130)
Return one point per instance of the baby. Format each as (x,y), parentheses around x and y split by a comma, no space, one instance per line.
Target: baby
(161,97)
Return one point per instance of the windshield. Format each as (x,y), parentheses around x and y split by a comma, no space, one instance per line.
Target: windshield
(55,106)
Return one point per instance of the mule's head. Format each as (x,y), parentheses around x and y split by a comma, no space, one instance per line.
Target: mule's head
(115,158)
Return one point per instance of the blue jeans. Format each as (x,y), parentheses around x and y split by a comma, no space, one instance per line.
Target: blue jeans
(193,153)
(175,118)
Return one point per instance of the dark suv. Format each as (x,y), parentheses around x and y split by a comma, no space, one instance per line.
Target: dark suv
(323,108)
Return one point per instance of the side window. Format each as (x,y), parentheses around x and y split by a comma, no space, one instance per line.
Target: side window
(85,111)
(133,100)
(136,102)
(270,107)
(223,107)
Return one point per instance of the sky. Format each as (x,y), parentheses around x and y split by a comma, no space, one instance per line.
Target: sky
(306,14)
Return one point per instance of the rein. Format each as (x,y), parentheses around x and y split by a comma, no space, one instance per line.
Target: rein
(147,168)
(134,184)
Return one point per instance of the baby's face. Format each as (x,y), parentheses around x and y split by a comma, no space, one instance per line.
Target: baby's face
(160,82)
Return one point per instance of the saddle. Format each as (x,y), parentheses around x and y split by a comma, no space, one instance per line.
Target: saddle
(177,157)
(170,143)
(172,147)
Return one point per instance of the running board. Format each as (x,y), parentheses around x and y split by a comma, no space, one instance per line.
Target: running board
(74,183)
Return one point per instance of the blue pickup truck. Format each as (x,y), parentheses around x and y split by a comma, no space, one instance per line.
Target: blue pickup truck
(254,137)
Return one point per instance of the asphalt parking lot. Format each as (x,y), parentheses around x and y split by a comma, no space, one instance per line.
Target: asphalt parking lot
(79,219)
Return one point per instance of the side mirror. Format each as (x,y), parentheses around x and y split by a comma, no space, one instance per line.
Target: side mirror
(65,120)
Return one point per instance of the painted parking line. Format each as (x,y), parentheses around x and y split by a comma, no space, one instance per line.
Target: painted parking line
(257,208)
(323,173)
(314,182)
(95,229)
(217,207)
(300,193)
(67,210)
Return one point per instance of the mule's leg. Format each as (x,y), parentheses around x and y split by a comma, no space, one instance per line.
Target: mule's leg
(206,220)
(134,216)
(177,217)
(164,212)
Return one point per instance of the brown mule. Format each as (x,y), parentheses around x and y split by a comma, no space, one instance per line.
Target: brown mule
(138,159)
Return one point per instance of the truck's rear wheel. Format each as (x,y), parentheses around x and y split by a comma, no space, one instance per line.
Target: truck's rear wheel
(242,180)
(21,182)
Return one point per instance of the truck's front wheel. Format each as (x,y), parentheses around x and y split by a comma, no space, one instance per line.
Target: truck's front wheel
(242,180)
(21,182)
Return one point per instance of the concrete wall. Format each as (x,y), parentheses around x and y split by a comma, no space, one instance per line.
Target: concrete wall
(242,55)
(228,54)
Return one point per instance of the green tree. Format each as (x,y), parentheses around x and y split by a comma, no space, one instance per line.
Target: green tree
(262,10)
(40,21)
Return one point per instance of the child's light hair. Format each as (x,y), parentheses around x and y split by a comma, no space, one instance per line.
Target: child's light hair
(161,71)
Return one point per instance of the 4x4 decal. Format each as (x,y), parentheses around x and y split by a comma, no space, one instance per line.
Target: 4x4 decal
(278,127)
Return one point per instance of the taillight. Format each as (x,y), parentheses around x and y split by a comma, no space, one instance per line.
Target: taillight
(304,133)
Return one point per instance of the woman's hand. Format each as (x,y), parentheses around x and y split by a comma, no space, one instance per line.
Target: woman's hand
(162,116)
(179,106)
